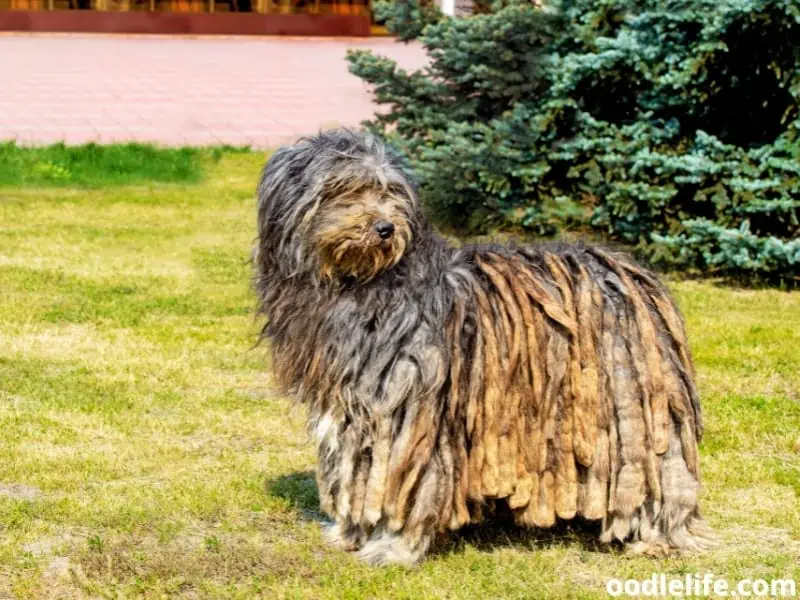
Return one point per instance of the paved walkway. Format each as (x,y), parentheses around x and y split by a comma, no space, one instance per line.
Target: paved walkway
(172,90)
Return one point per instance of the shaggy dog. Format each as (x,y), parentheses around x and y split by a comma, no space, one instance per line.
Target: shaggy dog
(442,383)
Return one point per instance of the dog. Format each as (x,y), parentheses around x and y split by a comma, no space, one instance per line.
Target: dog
(442,383)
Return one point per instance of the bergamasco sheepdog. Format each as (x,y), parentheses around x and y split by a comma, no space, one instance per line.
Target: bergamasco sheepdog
(442,383)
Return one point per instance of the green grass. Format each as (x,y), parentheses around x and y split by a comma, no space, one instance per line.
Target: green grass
(92,165)
(143,451)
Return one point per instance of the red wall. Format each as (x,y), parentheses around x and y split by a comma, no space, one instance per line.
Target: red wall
(191,23)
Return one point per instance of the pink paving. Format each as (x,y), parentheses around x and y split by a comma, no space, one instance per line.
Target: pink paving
(172,90)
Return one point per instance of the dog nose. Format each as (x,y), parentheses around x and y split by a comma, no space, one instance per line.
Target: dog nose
(385,229)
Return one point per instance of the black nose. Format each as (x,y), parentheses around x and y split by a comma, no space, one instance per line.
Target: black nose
(385,229)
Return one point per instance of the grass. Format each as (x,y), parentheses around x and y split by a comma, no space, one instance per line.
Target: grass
(92,165)
(144,453)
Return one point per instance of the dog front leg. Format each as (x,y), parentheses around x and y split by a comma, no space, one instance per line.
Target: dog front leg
(341,479)
(385,547)
(345,535)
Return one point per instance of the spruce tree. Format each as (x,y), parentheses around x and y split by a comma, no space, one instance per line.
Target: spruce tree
(668,125)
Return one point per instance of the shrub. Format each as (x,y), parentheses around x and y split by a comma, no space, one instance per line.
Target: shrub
(672,126)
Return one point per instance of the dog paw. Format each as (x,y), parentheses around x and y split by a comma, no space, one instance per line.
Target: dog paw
(390,549)
(343,538)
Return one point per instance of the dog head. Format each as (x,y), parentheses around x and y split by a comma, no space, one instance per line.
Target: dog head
(340,205)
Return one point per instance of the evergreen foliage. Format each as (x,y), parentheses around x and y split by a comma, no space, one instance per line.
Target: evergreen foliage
(670,125)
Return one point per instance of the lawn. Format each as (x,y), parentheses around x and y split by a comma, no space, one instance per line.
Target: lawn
(143,451)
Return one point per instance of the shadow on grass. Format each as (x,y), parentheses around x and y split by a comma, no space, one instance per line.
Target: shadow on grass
(300,490)
(499,530)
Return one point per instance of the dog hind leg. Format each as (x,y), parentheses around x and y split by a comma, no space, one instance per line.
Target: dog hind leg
(677,526)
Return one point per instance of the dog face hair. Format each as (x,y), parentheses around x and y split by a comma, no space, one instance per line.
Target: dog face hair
(347,207)
(553,381)
(360,233)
